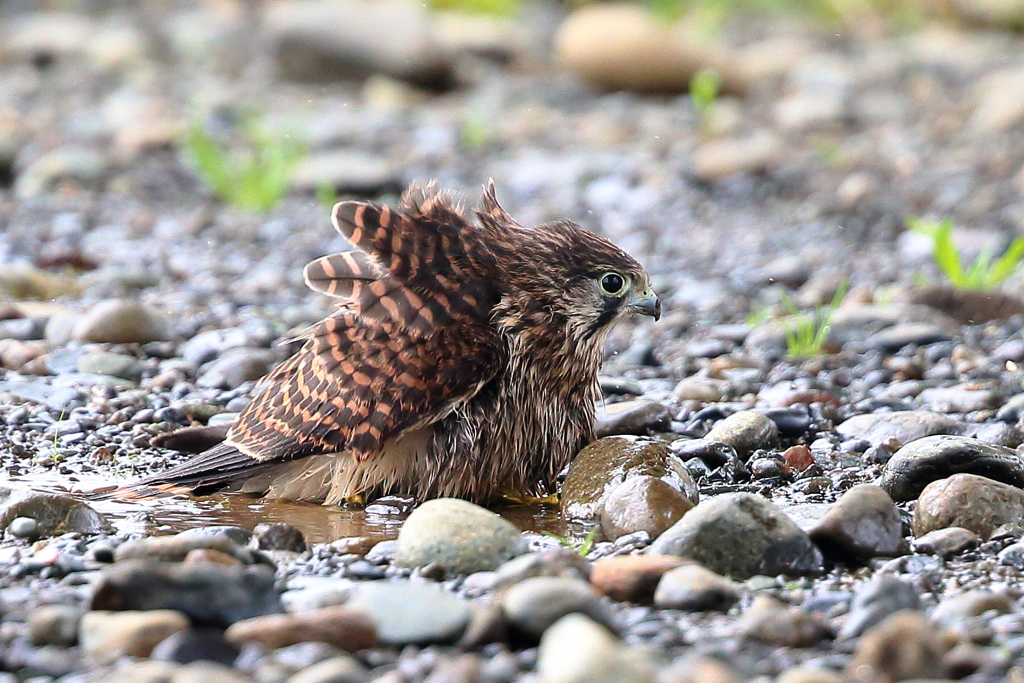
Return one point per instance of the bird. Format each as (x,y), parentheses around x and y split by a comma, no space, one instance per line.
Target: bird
(461,361)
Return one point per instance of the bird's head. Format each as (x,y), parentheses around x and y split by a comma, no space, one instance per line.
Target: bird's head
(564,270)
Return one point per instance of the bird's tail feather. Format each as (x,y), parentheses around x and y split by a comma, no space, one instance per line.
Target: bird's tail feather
(222,464)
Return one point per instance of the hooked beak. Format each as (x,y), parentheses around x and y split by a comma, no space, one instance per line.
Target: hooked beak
(646,303)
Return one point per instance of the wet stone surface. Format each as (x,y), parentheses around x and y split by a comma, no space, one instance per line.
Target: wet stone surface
(752,512)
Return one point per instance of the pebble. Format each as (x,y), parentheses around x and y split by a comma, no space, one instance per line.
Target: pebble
(345,628)
(54,625)
(608,462)
(894,430)
(533,605)
(577,649)
(278,536)
(175,548)
(876,600)
(24,527)
(107,636)
(316,43)
(411,613)
(236,367)
(999,102)
(642,503)
(719,159)
(693,588)
(80,164)
(209,593)
(961,608)
(458,536)
(902,647)
(925,460)
(112,364)
(741,535)
(959,399)
(195,645)
(772,621)
(631,578)
(975,503)
(53,513)
(552,562)
(864,523)
(638,417)
(346,172)
(701,389)
(333,670)
(894,338)
(626,47)
(746,431)
(120,321)
(946,542)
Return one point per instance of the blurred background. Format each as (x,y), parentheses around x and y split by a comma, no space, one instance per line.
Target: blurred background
(186,153)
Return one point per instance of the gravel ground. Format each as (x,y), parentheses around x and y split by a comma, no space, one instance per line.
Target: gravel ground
(855,515)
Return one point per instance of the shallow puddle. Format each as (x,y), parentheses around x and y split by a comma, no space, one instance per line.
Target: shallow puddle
(319,524)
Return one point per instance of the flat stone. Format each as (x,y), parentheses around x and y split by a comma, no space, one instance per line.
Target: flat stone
(53,513)
(457,535)
(740,535)
(346,172)
(54,625)
(892,431)
(946,542)
(313,42)
(208,672)
(608,462)
(576,649)
(533,605)
(970,307)
(411,613)
(693,588)
(969,501)
(113,364)
(716,160)
(175,548)
(343,627)
(236,367)
(876,600)
(701,389)
(632,578)
(963,607)
(894,338)
(551,562)
(196,645)
(639,417)
(925,460)
(746,431)
(209,593)
(76,163)
(864,523)
(120,321)
(642,503)
(333,670)
(107,636)
(903,647)
(959,399)
(771,621)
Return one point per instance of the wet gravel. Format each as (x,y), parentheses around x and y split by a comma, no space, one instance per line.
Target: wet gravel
(841,507)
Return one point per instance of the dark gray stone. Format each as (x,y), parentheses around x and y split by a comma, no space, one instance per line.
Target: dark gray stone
(937,457)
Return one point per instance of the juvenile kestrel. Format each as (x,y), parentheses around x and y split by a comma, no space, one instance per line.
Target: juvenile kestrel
(462,361)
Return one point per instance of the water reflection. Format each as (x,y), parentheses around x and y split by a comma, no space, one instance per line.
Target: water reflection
(318,523)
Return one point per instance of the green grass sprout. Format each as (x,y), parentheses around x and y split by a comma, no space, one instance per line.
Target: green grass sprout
(704,87)
(494,8)
(983,274)
(255,178)
(584,548)
(807,333)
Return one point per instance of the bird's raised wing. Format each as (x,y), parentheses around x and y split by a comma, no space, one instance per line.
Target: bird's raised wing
(412,341)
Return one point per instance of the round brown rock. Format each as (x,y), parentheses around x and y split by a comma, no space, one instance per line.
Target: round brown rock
(746,431)
(974,503)
(608,462)
(632,578)
(341,627)
(642,503)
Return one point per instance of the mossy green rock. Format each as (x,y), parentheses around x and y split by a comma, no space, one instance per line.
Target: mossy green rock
(608,462)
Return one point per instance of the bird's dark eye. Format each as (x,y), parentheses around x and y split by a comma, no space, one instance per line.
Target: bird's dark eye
(613,283)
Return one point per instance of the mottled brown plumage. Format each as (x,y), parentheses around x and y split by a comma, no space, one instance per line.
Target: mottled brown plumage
(462,360)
